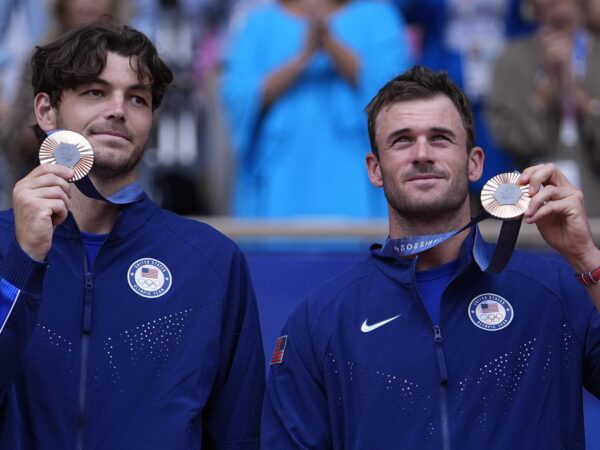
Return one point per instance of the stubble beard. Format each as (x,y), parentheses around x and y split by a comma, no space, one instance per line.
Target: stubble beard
(105,168)
(435,213)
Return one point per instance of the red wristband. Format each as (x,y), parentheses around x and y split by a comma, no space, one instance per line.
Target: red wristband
(588,278)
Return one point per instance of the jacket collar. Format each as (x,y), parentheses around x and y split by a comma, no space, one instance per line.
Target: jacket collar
(130,219)
(474,251)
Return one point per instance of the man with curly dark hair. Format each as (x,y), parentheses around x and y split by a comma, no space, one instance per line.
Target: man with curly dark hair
(122,326)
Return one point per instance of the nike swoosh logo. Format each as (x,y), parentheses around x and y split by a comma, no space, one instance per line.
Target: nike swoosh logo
(365,328)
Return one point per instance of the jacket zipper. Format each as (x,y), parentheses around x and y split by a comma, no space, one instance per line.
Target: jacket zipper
(442,368)
(87,328)
(439,350)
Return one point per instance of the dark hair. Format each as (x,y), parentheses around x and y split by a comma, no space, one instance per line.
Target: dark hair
(420,83)
(79,56)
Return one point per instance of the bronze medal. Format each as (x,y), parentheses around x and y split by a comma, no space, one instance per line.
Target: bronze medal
(503,198)
(69,149)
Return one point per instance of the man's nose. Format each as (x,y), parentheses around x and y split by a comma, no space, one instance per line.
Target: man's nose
(422,150)
(116,107)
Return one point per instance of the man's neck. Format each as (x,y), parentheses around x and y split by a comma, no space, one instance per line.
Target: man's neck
(93,216)
(97,216)
(443,253)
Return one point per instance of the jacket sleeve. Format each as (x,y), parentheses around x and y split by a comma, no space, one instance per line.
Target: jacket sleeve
(295,412)
(20,294)
(584,320)
(591,380)
(232,415)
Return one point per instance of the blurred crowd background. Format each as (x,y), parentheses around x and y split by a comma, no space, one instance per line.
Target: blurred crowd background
(265,118)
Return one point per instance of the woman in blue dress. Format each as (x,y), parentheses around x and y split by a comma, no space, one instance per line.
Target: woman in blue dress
(296,79)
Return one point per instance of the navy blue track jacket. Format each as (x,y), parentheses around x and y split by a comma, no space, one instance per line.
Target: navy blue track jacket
(502,370)
(155,347)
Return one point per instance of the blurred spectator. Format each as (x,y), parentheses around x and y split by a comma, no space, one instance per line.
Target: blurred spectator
(17,138)
(464,38)
(26,18)
(592,15)
(217,162)
(543,104)
(187,166)
(296,79)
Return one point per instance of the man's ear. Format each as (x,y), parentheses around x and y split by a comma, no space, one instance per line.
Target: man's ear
(374,170)
(476,159)
(45,113)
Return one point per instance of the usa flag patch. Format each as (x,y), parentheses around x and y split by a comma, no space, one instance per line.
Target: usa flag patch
(277,357)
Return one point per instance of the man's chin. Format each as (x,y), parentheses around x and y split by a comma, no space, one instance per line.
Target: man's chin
(428,202)
(423,209)
(113,169)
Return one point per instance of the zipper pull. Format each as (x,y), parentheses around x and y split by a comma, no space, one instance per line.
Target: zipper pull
(87,304)
(439,350)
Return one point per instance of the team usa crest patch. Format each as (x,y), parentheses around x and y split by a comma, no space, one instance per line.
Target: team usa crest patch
(277,357)
(149,278)
(490,312)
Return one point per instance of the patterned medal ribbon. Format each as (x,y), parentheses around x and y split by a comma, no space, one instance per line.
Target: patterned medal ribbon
(70,149)
(502,198)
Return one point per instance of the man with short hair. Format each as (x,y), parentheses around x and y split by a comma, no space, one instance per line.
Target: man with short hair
(122,325)
(432,351)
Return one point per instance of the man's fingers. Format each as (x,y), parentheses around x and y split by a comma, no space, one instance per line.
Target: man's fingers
(26,197)
(542,175)
(525,177)
(65,173)
(551,200)
(543,196)
(59,211)
(45,180)
(563,206)
(53,193)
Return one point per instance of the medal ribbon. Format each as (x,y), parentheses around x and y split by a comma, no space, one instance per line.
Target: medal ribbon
(127,194)
(412,245)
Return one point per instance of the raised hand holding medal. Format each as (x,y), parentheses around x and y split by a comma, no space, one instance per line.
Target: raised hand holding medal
(42,199)
(557,209)
(41,202)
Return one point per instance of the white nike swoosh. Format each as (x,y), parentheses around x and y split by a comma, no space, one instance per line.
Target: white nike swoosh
(368,328)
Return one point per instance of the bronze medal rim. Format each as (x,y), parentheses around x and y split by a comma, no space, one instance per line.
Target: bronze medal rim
(490,203)
(51,143)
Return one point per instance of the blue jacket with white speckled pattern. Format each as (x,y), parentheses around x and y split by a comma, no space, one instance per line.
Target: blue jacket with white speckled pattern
(86,362)
(465,383)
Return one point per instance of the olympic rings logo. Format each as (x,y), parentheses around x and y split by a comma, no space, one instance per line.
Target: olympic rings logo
(148,283)
(491,317)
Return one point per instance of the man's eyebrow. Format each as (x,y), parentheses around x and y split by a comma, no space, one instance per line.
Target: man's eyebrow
(401,131)
(444,130)
(137,86)
(96,81)
(141,86)
(394,134)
